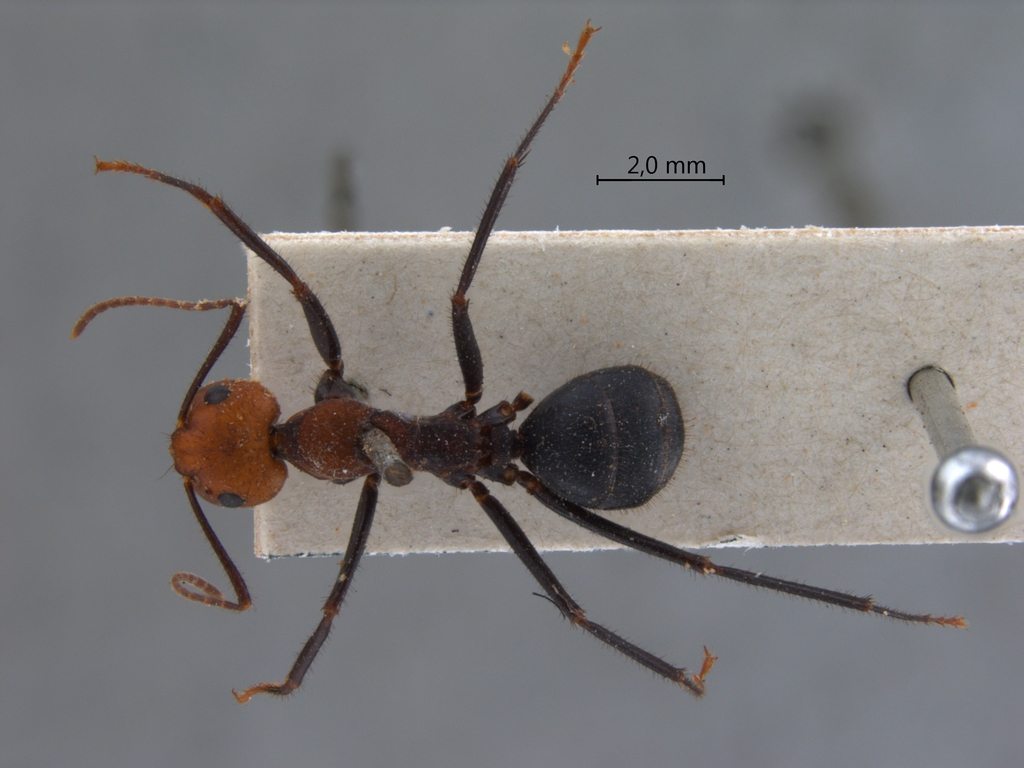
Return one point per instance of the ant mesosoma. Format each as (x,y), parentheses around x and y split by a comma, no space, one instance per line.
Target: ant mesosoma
(610,439)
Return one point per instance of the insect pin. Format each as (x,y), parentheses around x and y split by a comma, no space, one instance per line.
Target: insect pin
(609,439)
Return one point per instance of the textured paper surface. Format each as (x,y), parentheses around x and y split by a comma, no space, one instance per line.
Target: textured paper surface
(789,351)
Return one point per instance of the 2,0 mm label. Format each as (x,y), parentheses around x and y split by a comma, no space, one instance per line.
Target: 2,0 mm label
(671,170)
(677,167)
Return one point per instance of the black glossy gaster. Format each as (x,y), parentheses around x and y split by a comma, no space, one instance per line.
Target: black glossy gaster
(609,439)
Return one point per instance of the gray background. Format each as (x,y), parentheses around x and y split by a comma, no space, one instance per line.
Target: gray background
(449,660)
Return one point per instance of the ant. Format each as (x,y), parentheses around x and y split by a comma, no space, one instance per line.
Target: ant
(609,439)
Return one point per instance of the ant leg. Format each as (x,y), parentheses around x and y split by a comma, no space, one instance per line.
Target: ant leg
(320,326)
(209,594)
(356,545)
(466,348)
(702,565)
(556,593)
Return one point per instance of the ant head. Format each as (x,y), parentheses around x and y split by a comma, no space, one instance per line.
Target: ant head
(224,446)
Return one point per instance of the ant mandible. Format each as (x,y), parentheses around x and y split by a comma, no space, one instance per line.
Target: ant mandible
(610,439)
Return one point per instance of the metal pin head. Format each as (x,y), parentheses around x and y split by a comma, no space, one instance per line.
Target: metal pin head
(974,489)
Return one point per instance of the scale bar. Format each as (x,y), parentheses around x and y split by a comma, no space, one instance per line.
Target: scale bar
(720,180)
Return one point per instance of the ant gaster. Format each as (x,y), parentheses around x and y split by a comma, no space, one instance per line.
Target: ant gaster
(610,439)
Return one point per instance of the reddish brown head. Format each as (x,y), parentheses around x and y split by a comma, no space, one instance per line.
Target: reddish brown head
(224,446)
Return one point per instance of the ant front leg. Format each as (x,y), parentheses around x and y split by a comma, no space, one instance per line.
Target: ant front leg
(466,347)
(353,553)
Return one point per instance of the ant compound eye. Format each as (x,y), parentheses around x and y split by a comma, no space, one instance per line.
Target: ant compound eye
(215,395)
(230,499)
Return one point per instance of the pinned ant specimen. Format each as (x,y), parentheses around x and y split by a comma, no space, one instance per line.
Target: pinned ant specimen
(610,439)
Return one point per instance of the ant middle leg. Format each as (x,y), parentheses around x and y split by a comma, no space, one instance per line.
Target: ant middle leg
(568,607)
(466,348)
